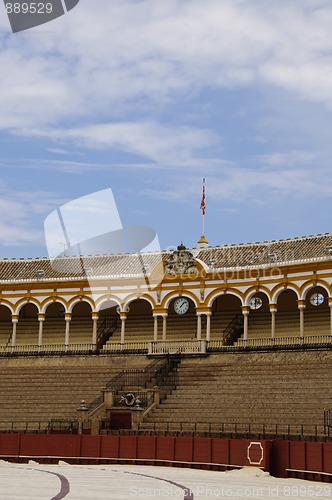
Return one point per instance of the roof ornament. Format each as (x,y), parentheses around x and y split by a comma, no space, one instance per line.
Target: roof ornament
(181,261)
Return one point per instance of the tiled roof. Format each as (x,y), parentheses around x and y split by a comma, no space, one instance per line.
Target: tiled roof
(269,252)
(308,248)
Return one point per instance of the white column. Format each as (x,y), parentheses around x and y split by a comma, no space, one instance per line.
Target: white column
(245,312)
(199,327)
(301,306)
(208,326)
(95,317)
(273,310)
(14,321)
(164,325)
(41,319)
(67,320)
(123,318)
(155,328)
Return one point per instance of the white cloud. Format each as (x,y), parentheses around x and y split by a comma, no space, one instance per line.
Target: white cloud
(147,52)
(147,139)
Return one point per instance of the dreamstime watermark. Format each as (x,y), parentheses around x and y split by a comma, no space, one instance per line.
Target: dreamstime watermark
(25,14)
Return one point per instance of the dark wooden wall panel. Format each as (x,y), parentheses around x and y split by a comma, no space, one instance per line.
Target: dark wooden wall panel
(10,444)
(146,447)
(184,449)
(202,450)
(128,447)
(297,455)
(314,456)
(109,447)
(90,446)
(165,448)
(220,451)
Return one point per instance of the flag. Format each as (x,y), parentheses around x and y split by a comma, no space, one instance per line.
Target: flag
(203,206)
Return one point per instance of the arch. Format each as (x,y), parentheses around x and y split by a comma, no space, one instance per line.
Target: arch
(24,301)
(184,293)
(8,304)
(75,300)
(220,292)
(104,299)
(133,297)
(309,285)
(251,292)
(47,302)
(281,288)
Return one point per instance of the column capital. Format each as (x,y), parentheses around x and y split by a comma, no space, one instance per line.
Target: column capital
(67,316)
(41,316)
(273,307)
(95,315)
(245,310)
(14,318)
(203,310)
(301,304)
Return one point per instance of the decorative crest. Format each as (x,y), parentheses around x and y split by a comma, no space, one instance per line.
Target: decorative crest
(181,262)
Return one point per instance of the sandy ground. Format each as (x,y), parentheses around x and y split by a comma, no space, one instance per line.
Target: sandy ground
(45,482)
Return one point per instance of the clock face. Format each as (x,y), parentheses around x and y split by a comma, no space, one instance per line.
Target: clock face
(181,305)
(317,299)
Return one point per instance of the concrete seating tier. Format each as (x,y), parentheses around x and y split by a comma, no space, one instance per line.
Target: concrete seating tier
(37,390)
(257,388)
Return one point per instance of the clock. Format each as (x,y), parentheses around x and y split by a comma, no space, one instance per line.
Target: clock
(181,305)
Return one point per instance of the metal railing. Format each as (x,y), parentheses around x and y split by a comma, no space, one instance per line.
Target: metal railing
(233,330)
(177,347)
(155,374)
(47,349)
(166,347)
(105,330)
(236,428)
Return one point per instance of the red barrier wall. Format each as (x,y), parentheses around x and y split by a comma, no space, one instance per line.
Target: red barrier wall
(181,450)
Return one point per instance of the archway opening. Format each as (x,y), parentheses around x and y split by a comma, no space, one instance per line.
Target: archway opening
(226,310)
(81,324)
(6,325)
(28,325)
(54,324)
(287,316)
(181,319)
(139,322)
(259,325)
(317,313)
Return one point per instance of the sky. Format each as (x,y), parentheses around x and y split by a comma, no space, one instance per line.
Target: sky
(149,97)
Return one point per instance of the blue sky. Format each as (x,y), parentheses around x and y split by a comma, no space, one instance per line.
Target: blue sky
(148,97)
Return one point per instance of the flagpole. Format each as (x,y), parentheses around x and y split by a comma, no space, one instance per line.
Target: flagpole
(202,242)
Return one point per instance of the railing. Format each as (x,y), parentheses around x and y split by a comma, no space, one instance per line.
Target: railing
(127,378)
(165,347)
(236,428)
(327,421)
(48,349)
(106,330)
(23,427)
(158,347)
(287,341)
(126,348)
(233,331)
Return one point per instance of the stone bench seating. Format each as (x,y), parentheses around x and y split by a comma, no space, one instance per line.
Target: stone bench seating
(34,390)
(260,388)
